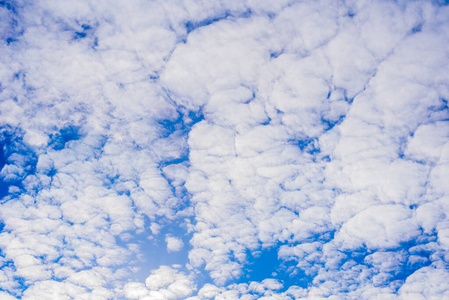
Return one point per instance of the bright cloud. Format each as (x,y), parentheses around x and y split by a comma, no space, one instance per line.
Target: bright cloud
(165,283)
(224,150)
(173,244)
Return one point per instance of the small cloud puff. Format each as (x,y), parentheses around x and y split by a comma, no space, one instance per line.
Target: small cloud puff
(164,283)
(173,244)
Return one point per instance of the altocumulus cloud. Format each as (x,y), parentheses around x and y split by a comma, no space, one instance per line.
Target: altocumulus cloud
(224,150)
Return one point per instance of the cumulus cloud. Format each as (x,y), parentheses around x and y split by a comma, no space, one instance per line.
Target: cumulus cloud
(164,283)
(314,130)
(173,244)
(416,286)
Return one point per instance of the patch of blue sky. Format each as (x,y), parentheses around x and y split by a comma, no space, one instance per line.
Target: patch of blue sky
(442,2)
(185,120)
(330,124)
(83,33)
(265,263)
(8,5)
(276,54)
(19,283)
(190,26)
(80,35)
(179,128)
(346,98)
(3,184)
(153,247)
(59,139)
(306,145)
(302,271)
(441,111)
(406,262)
(417,28)
(10,29)
(351,14)
(17,161)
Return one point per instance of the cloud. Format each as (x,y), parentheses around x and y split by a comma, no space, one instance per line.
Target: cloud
(314,130)
(384,226)
(164,283)
(173,244)
(416,286)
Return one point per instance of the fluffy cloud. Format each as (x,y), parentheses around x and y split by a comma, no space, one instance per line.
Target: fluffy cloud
(164,283)
(173,244)
(427,283)
(315,130)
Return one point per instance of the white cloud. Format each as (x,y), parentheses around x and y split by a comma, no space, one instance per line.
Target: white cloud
(164,283)
(383,226)
(428,141)
(174,244)
(317,129)
(426,283)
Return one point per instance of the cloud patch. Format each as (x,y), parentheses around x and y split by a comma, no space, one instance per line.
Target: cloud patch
(174,244)
(312,135)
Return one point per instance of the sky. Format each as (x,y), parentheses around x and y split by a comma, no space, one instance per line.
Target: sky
(193,149)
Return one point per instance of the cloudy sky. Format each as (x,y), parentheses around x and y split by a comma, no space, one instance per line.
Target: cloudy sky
(196,149)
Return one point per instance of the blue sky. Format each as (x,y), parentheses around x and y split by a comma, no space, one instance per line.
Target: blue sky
(224,150)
